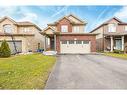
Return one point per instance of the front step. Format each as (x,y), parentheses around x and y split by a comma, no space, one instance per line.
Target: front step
(49,52)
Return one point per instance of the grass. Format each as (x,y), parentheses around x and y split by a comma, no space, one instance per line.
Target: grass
(25,71)
(123,56)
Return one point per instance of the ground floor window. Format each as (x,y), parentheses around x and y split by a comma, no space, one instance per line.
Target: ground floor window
(71,42)
(85,42)
(64,42)
(78,42)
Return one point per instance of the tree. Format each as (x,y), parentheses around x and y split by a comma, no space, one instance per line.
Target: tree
(4,49)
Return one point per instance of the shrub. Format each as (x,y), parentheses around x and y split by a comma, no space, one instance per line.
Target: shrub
(118,51)
(100,51)
(4,49)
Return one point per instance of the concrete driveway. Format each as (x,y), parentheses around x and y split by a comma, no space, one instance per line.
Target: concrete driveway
(88,72)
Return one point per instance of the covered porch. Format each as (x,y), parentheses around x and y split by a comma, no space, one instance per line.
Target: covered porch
(49,42)
(49,39)
(115,42)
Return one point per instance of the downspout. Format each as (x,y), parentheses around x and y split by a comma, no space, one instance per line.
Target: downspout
(14,43)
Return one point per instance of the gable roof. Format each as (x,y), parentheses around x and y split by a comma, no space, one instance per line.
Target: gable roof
(77,18)
(105,23)
(115,18)
(25,23)
(45,29)
(49,28)
(2,19)
(71,21)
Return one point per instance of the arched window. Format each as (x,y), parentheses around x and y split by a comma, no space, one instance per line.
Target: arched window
(7,28)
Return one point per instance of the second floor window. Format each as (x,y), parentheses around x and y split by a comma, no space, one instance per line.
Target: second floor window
(76,29)
(125,28)
(26,29)
(64,28)
(7,28)
(112,27)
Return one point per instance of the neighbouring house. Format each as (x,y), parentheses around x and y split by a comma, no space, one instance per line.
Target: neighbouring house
(22,37)
(67,35)
(112,35)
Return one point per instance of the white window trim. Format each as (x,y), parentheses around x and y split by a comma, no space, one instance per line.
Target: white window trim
(76,29)
(8,31)
(64,28)
(125,28)
(26,29)
(110,28)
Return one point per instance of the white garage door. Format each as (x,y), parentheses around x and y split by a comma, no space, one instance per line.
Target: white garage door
(18,45)
(75,46)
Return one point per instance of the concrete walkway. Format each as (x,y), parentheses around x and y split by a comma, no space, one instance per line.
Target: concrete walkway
(88,72)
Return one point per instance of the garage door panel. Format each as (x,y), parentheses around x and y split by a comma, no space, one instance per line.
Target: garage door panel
(18,45)
(75,46)
(12,48)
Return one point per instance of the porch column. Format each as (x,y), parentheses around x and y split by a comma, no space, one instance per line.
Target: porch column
(122,43)
(55,42)
(111,43)
(44,43)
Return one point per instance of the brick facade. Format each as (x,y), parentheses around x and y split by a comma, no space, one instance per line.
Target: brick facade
(64,22)
(72,35)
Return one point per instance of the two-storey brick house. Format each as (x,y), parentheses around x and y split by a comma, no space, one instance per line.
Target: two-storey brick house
(22,37)
(112,35)
(67,35)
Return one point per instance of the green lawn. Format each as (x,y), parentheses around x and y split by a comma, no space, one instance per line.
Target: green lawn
(123,56)
(25,71)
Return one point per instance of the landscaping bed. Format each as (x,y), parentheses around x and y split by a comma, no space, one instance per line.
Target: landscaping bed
(117,55)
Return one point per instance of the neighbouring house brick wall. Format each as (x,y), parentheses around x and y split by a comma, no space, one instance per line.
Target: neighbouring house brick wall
(72,37)
(99,44)
(121,28)
(99,39)
(64,21)
(125,40)
(38,38)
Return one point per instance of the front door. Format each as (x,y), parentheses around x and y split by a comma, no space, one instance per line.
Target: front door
(52,44)
(118,44)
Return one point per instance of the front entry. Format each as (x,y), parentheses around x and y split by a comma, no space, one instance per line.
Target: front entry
(75,46)
(52,43)
(118,44)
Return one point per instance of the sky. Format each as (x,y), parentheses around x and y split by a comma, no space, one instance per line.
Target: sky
(42,15)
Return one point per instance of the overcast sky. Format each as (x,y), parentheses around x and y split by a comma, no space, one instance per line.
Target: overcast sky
(42,15)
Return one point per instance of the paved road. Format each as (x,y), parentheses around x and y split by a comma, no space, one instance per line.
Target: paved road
(88,72)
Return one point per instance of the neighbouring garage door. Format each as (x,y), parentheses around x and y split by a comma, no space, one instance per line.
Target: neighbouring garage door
(18,45)
(75,46)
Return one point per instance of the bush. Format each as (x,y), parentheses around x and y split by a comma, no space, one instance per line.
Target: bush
(118,51)
(5,50)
